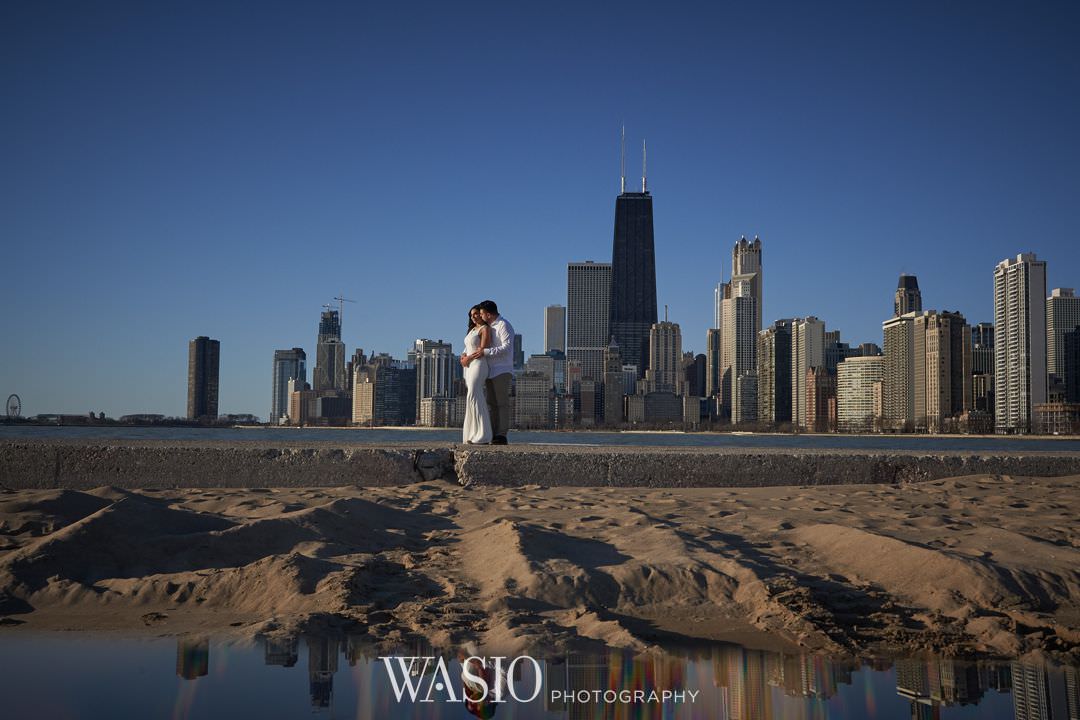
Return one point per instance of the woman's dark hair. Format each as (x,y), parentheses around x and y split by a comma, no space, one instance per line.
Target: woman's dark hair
(471,323)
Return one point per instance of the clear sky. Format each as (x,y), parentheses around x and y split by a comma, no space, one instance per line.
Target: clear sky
(174,169)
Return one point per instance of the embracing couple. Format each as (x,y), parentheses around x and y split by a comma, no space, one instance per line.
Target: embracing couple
(489,365)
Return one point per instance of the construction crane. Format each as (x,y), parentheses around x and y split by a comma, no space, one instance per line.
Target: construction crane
(341,306)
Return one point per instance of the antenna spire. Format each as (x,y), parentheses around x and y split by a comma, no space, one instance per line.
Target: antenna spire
(644,187)
(622,160)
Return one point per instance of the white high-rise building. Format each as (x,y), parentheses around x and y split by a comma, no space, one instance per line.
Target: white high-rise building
(739,350)
(735,339)
(437,367)
(856,378)
(718,304)
(1019,341)
(807,351)
(739,304)
(746,263)
(1062,316)
(555,328)
(588,302)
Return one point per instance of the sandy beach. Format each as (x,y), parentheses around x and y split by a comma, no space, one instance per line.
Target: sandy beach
(968,565)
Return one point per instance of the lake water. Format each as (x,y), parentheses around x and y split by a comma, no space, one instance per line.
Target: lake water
(383,436)
(74,675)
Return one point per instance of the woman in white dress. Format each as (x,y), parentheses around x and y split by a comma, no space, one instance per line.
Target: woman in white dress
(477,429)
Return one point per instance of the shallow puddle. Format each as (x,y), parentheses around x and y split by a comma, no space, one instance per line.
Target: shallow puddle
(74,675)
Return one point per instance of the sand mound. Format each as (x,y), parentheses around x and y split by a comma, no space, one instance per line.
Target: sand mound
(931,578)
(131,537)
(985,564)
(146,552)
(596,589)
(984,594)
(43,512)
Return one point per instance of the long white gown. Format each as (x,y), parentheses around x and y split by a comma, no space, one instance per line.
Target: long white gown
(477,427)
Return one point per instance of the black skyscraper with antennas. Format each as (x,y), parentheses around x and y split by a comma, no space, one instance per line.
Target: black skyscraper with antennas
(633,272)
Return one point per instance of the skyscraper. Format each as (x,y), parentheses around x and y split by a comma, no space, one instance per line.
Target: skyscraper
(744,398)
(807,351)
(739,353)
(774,373)
(982,367)
(288,365)
(203,361)
(358,359)
(746,267)
(694,374)
(437,368)
(898,380)
(534,401)
(713,351)
(519,352)
(329,353)
(559,377)
(855,380)
(738,308)
(588,288)
(1019,342)
(982,349)
(544,364)
(836,351)
(908,298)
(555,328)
(384,392)
(665,358)
(1071,343)
(614,412)
(820,399)
(633,275)
(942,351)
(719,294)
(1062,316)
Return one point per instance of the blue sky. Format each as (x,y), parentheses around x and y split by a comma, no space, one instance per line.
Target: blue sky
(169,170)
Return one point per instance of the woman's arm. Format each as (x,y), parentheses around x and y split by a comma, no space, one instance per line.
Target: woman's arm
(485,337)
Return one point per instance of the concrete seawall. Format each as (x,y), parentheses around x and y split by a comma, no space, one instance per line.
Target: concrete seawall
(165,464)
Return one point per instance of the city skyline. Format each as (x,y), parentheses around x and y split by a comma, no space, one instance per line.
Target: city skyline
(231,192)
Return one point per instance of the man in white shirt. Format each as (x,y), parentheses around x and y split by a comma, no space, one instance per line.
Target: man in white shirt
(500,369)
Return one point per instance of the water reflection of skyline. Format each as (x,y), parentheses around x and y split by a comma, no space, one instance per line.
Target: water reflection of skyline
(736,683)
(338,675)
(192,657)
(82,675)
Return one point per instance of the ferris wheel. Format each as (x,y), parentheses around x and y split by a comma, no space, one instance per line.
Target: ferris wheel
(14,406)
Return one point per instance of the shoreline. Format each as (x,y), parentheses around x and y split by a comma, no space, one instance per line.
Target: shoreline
(567,431)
